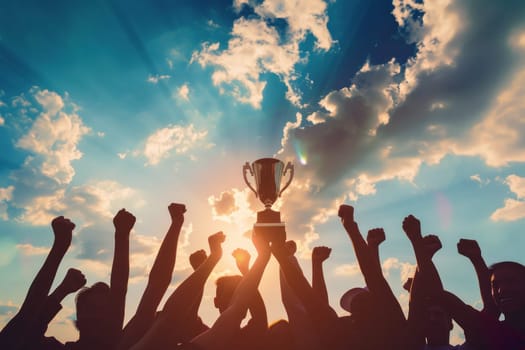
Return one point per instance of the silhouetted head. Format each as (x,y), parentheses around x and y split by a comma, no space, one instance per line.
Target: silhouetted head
(507,280)
(358,301)
(280,336)
(438,324)
(225,286)
(93,321)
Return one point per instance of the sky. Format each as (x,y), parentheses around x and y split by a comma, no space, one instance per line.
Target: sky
(395,107)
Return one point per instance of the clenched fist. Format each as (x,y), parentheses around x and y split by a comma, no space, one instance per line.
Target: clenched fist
(321,253)
(124,221)
(63,230)
(412,228)
(375,237)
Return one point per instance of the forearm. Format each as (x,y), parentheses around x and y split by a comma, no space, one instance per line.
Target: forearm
(318,281)
(186,295)
(41,285)
(426,268)
(258,311)
(371,272)
(161,272)
(483,275)
(316,307)
(374,256)
(229,321)
(119,277)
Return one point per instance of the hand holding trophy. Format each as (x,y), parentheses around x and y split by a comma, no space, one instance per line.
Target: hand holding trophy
(268,173)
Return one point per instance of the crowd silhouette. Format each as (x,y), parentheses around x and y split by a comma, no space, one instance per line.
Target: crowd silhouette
(375,319)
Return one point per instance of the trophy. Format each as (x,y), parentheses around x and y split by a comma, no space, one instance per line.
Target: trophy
(268,173)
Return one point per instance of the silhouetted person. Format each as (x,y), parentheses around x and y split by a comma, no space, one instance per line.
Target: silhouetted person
(300,325)
(319,255)
(390,326)
(177,319)
(100,308)
(158,281)
(430,323)
(323,317)
(229,321)
(27,325)
(471,250)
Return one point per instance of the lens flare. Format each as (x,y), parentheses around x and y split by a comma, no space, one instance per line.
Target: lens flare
(301,153)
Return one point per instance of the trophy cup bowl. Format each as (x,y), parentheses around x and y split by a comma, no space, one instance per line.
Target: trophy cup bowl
(268,173)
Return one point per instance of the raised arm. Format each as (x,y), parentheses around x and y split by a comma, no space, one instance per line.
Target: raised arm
(304,334)
(375,237)
(17,329)
(174,322)
(259,317)
(424,287)
(37,294)
(72,282)
(370,269)
(123,222)
(470,249)
(423,251)
(218,336)
(319,255)
(393,320)
(317,308)
(158,281)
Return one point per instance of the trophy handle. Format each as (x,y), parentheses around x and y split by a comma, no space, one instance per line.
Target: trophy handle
(244,168)
(289,166)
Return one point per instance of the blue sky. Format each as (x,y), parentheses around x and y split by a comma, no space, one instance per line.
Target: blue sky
(394,107)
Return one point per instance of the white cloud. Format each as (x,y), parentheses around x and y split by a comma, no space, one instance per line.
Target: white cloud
(514,209)
(235,206)
(183,92)
(392,119)
(154,79)
(181,139)
(348,270)
(6,194)
(499,138)
(223,205)
(29,250)
(50,101)
(54,137)
(256,47)
(405,269)
(42,209)
(7,311)
(212,24)
(475,178)
(89,203)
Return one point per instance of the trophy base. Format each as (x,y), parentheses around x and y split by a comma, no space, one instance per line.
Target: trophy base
(272,232)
